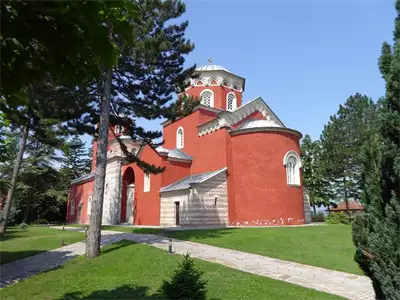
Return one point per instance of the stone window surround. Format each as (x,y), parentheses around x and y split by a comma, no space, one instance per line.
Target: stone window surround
(292,154)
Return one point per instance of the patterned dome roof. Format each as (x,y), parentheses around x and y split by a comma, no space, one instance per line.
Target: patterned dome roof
(211,68)
(259,123)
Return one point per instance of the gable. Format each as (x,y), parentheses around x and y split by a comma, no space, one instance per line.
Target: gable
(230,118)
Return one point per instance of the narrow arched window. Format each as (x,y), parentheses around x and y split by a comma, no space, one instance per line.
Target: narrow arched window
(180,138)
(207,98)
(292,163)
(146,185)
(89,205)
(231,102)
(72,207)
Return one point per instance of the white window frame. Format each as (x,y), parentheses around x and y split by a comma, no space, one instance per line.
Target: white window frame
(118,129)
(72,207)
(146,182)
(234,101)
(211,98)
(292,171)
(89,205)
(180,138)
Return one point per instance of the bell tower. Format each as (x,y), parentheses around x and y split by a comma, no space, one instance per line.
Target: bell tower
(216,87)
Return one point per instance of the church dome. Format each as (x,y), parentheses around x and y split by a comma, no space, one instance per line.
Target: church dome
(211,68)
(259,124)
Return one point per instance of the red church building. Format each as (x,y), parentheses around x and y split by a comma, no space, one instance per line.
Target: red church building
(227,163)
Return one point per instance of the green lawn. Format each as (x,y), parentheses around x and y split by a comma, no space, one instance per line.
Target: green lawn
(17,243)
(133,271)
(327,246)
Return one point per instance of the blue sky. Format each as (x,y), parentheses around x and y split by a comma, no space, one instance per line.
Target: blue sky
(304,58)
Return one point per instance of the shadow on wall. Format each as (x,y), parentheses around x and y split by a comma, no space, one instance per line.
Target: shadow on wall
(206,205)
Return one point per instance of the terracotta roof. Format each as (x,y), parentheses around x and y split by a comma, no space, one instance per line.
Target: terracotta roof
(353,205)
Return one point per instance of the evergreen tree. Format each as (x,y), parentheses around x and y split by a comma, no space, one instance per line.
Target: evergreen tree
(377,234)
(148,74)
(68,40)
(76,158)
(341,141)
(313,178)
(186,283)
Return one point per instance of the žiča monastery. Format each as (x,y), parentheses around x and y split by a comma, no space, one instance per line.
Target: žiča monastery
(227,163)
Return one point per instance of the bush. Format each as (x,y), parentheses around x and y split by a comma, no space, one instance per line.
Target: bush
(13,216)
(186,283)
(337,218)
(319,217)
(23,226)
(41,221)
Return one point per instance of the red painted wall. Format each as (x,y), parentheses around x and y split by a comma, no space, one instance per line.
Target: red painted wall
(147,204)
(220,93)
(80,194)
(174,171)
(262,196)
(208,151)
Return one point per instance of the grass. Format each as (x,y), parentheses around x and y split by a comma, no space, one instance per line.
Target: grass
(326,246)
(133,271)
(17,243)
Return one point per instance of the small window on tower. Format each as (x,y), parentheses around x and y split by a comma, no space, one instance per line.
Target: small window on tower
(207,98)
(231,102)
(179,138)
(118,129)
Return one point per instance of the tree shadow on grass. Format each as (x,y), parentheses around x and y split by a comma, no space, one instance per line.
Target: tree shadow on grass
(116,246)
(123,292)
(200,234)
(11,233)
(10,256)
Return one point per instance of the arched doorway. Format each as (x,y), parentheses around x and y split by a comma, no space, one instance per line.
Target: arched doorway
(128,196)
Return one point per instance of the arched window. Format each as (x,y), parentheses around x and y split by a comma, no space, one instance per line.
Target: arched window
(292,163)
(179,138)
(89,205)
(146,186)
(118,129)
(207,98)
(231,102)
(72,207)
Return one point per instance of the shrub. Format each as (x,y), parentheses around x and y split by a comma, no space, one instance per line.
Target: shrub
(13,215)
(23,226)
(41,221)
(337,218)
(186,283)
(319,217)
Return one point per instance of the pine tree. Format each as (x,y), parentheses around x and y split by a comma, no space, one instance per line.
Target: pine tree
(76,158)
(377,234)
(313,178)
(149,72)
(186,283)
(341,141)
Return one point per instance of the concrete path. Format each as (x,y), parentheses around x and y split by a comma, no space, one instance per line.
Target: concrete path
(347,285)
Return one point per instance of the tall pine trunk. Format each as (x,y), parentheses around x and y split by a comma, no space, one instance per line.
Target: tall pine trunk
(17,166)
(345,196)
(94,232)
(28,206)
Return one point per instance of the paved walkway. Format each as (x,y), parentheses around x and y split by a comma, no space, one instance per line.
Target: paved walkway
(339,283)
